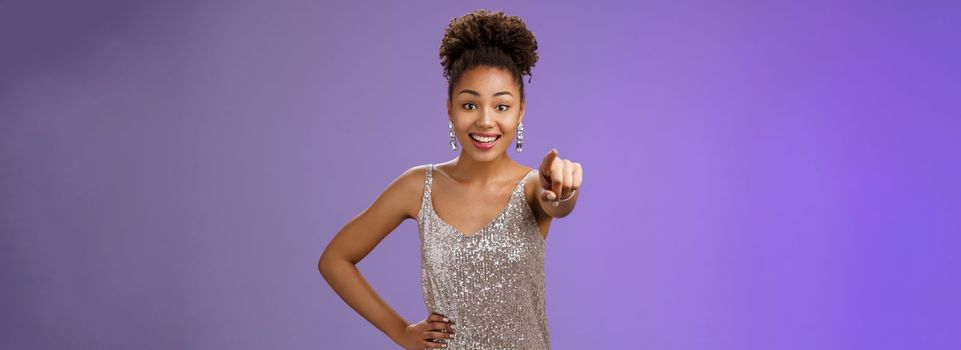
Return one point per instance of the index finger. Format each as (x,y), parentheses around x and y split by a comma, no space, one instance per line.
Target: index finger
(545,169)
(436,317)
(548,159)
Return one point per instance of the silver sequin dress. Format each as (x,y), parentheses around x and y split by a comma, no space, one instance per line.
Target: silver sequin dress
(490,283)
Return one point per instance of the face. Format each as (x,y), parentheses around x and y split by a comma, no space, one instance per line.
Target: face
(485,108)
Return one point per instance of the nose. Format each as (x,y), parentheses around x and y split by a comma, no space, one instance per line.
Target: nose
(486,119)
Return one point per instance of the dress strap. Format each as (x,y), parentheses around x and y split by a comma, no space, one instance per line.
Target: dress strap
(524,180)
(428,179)
(519,188)
(425,198)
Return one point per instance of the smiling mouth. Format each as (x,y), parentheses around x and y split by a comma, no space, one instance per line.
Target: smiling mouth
(484,139)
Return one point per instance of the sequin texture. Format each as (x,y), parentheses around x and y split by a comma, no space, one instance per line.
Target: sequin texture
(489,283)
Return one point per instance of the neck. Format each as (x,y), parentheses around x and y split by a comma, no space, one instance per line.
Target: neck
(468,169)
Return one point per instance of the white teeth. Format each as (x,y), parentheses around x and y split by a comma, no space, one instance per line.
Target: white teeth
(484,139)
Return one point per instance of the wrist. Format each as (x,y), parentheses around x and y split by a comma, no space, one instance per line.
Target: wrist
(396,333)
(568,197)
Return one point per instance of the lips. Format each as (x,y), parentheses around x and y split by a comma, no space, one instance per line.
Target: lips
(484,141)
(484,137)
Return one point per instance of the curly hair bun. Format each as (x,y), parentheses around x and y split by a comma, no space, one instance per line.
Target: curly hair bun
(487,37)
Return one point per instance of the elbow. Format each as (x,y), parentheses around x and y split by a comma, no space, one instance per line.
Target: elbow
(325,265)
(329,263)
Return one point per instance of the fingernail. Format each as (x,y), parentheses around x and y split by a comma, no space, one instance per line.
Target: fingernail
(446,320)
(452,336)
(452,326)
(551,196)
(443,345)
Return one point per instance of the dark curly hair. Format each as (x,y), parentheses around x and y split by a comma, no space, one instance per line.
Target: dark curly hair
(487,38)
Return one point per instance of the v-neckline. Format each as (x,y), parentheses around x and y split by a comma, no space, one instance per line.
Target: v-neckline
(490,223)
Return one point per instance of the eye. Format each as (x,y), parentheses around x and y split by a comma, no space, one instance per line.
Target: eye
(506,107)
(469,104)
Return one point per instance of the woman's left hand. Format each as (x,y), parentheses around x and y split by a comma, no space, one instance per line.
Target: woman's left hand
(560,178)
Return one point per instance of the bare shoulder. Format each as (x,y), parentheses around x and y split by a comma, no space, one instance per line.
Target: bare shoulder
(530,178)
(413,178)
(530,189)
(530,193)
(407,189)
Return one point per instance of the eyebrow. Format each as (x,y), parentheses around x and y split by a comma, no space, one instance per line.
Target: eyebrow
(475,93)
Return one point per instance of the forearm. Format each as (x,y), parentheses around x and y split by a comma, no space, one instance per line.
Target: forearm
(346,280)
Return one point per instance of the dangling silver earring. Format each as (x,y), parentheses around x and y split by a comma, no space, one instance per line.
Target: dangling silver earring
(453,144)
(520,136)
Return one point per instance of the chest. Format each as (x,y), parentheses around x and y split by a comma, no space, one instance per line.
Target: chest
(471,210)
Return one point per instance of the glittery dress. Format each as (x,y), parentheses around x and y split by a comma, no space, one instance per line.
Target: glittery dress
(490,283)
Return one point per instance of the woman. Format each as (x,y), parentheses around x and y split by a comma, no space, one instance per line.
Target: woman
(482,260)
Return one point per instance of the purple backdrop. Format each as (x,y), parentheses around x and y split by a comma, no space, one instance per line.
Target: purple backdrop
(758,175)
